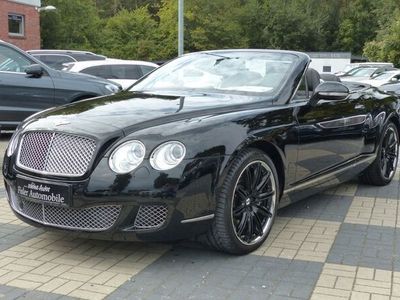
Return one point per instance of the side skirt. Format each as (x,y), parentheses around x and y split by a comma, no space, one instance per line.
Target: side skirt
(326,179)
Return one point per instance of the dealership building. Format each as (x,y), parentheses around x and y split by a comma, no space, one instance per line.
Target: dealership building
(20,23)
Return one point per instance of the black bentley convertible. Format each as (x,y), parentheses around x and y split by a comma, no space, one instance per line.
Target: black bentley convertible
(210,144)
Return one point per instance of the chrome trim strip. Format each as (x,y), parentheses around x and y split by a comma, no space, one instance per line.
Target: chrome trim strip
(198,219)
(343,122)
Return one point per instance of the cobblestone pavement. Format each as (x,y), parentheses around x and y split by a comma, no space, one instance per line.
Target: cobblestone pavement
(341,244)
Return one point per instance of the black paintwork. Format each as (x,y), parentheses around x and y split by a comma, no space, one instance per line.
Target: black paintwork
(22,94)
(313,147)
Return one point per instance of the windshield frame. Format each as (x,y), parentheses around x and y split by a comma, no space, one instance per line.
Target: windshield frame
(297,59)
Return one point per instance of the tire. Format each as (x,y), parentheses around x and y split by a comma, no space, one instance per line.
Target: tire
(245,208)
(383,169)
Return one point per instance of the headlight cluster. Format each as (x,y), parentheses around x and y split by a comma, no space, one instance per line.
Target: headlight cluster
(167,155)
(128,156)
(112,88)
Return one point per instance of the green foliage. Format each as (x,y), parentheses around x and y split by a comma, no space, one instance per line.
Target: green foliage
(147,29)
(386,47)
(74,25)
(167,31)
(291,24)
(109,8)
(215,30)
(358,25)
(130,34)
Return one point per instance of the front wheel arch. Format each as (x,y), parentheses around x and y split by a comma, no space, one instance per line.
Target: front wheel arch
(221,234)
(273,151)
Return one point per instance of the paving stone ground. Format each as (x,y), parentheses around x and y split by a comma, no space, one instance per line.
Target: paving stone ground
(340,244)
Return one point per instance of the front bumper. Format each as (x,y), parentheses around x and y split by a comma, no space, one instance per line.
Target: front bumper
(145,205)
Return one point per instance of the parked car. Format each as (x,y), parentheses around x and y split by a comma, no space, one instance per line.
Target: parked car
(353,66)
(210,144)
(123,72)
(391,88)
(384,78)
(364,73)
(28,86)
(57,58)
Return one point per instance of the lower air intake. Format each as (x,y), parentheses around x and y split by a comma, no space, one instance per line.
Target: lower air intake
(151,216)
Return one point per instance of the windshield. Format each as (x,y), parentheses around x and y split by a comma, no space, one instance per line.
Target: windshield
(384,76)
(347,68)
(362,72)
(248,73)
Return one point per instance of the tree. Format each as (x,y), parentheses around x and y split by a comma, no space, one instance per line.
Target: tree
(74,25)
(208,25)
(148,29)
(386,47)
(253,18)
(167,30)
(292,24)
(130,34)
(358,24)
(214,25)
(109,8)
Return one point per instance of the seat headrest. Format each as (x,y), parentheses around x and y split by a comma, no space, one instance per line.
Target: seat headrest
(313,79)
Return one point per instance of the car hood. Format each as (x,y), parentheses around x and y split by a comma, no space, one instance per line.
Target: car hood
(130,111)
(375,83)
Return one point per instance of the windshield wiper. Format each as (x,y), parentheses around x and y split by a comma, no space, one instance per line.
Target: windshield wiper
(222,57)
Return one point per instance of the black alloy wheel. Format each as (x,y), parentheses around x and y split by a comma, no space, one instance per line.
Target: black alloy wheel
(253,203)
(246,204)
(382,170)
(389,153)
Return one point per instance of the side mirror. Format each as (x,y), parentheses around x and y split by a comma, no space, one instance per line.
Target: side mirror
(34,71)
(394,79)
(330,90)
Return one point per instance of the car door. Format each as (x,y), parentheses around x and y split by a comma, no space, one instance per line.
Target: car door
(330,134)
(20,94)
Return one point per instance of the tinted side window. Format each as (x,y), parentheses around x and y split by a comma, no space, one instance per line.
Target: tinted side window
(127,71)
(12,61)
(99,71)
(55,61)
(86,57)
(146,69)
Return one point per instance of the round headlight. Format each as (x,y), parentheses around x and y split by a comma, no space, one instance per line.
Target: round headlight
(127,157)
(167,155)
(12,145)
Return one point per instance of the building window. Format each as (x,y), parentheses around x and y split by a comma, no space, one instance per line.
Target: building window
(16,24)
(326,69)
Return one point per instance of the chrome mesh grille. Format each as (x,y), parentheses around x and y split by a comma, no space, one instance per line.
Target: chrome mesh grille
(151,216)
(95,218)
(55,153)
